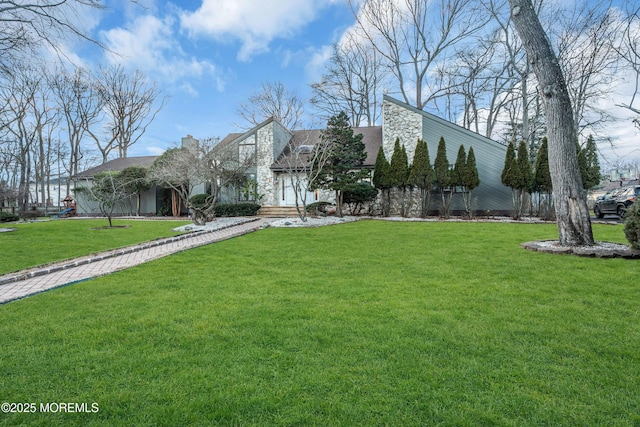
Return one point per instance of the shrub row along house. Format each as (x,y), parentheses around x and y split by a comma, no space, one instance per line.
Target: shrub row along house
(279,155)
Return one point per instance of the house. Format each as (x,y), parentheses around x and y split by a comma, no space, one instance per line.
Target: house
(400,120)
(150,200)
(271,144)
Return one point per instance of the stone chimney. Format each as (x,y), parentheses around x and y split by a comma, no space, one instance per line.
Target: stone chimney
(189,141)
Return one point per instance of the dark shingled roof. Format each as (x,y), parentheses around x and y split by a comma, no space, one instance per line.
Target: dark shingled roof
(371,136)
(118,165)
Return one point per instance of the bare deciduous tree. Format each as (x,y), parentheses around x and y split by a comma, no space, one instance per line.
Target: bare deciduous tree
(80,107)
(628,47)
(589,61)
(25,26)
(574,224)
(182,169)
(412,35)
(108,189)
(18,93)
(130,104)
(273,100)
(352,83)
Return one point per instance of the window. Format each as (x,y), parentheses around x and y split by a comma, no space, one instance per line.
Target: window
(247,152)
(304,149)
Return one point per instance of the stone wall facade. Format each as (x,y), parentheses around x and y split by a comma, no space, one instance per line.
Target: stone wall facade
(271,139)
(264,160)
(402,123)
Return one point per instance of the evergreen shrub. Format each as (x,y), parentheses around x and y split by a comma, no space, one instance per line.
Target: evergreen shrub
(199,200)
(358,195)
(237,209)
(632,225)
(318,208)
(8,217)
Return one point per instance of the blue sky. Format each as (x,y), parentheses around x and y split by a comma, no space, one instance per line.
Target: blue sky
(205,60)
(209,56)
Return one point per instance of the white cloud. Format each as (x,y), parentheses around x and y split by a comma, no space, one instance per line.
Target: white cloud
(317,64)
(149,44)
(254,24)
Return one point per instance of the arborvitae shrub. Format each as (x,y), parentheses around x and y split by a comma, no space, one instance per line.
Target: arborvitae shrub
(632,225)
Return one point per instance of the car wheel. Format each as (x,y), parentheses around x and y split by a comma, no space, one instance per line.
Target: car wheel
(599,214)
(621,212)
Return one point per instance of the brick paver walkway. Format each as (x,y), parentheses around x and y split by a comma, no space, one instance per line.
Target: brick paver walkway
(21,284)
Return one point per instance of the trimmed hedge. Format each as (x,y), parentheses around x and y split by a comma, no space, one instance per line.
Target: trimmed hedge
(237,209)
(8,217)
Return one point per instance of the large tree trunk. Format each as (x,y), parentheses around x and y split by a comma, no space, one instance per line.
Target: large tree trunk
(574,223)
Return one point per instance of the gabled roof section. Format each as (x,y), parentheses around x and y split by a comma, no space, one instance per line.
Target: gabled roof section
(117,165)
(371,137)
(236,137)
(453,126)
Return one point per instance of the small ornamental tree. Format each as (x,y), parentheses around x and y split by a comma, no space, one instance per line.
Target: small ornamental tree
(443,177)
(399,172)
(421,175)
(542,177)
(381,173)
(632,224)
(589,164)
(108,190)
(136,182)
(470,181)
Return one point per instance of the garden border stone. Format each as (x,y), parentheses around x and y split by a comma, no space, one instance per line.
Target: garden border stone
(599,250)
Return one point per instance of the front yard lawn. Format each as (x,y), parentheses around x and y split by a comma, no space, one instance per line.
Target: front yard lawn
(38,243)
(367,323)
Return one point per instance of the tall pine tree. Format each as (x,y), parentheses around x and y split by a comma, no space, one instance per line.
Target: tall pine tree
(422,175)
(345,161)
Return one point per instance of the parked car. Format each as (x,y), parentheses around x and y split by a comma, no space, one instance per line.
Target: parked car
(616,202)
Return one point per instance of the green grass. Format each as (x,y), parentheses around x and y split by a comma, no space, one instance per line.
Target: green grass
(369,323)
(40,243)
